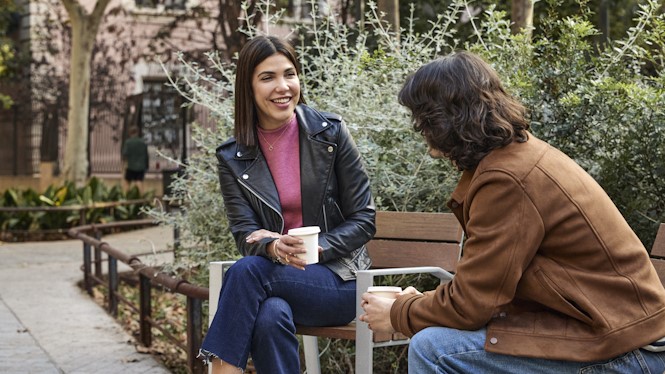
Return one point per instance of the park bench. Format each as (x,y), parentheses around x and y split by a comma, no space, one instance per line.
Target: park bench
(405,243)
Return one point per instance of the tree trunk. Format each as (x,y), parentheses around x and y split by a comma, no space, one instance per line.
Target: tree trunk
(84,31)
(76,148)
(604,22)
(359,13)
(391,9)
(522,16)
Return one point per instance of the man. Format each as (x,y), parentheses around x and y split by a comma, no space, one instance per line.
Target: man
(552,279)
(135,160)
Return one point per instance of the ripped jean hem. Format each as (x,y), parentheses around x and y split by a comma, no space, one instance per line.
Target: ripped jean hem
(208,356)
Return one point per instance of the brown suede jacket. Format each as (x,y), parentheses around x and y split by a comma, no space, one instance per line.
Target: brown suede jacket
(549,264)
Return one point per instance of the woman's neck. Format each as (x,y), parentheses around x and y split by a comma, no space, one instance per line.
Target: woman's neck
(273,127)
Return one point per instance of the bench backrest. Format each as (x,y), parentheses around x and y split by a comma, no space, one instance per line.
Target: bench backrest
(658,253)
(406,239)
(658,248)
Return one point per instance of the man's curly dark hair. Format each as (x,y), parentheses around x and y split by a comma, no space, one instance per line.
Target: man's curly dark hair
(460,106)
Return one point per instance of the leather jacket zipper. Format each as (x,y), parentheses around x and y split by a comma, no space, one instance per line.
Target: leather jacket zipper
(281,230)
(345,262)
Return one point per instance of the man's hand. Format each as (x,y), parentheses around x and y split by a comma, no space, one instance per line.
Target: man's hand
(410,291)
(377,312)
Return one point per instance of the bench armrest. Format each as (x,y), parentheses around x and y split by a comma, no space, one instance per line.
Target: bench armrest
(217,271)
(364,339)
(365,279)
(443,275)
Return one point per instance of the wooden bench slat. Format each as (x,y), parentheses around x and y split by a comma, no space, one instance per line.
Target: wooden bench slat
(334,332)
(658,253)
(417,226)
(660,268)
(398,253)
(398,336)
(658,249)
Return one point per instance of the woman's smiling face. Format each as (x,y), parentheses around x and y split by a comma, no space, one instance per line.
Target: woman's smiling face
(276,89)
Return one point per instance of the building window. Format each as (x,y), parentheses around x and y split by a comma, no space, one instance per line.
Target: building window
(160,116)
(165,4)
(301,10)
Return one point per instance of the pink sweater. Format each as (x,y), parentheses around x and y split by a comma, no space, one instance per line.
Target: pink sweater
(284,163)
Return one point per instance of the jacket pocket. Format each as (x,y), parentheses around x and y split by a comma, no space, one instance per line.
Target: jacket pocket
(556,298)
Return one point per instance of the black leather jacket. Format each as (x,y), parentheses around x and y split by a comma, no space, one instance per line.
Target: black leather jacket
(335,189)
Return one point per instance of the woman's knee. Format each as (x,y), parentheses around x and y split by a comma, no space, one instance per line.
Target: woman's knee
(274,313)
(246,266)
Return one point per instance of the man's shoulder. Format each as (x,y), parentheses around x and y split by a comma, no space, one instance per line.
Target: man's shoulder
(516,157)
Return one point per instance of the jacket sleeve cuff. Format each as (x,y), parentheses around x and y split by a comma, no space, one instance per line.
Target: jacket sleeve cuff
(399,314)
(265,243)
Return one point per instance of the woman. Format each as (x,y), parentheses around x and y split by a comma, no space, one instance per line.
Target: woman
(287,166)
(552,280)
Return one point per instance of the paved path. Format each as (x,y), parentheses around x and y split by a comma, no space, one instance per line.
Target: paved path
(49,325)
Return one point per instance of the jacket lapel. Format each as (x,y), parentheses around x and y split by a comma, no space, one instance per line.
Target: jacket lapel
(317,157)
(253,171)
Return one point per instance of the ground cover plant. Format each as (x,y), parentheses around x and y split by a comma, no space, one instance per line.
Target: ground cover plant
(54,224)
(601,104)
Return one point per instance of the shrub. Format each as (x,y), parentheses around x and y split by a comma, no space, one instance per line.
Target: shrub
(65,195)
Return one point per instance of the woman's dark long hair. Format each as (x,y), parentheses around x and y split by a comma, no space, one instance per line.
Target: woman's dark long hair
(251,55)
(460,106)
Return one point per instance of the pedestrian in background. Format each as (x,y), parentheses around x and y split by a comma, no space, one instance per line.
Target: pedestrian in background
(135,160)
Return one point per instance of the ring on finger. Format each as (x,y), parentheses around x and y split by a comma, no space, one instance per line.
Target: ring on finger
(287,258)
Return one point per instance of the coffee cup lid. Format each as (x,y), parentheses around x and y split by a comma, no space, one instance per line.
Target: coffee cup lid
(384,289)
(307,230)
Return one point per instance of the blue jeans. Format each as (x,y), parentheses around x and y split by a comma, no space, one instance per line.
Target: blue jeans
(444,350)
(259,305)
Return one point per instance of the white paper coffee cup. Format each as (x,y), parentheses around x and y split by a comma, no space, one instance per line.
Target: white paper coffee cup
(310,237)
(385,291)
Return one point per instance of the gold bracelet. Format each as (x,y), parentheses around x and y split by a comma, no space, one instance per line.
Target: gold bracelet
(277,259)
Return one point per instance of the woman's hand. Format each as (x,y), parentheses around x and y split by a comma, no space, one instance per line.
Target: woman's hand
(257,235)
(285,248)
(377,312)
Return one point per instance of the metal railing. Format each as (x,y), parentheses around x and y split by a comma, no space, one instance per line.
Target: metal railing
(148,276)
